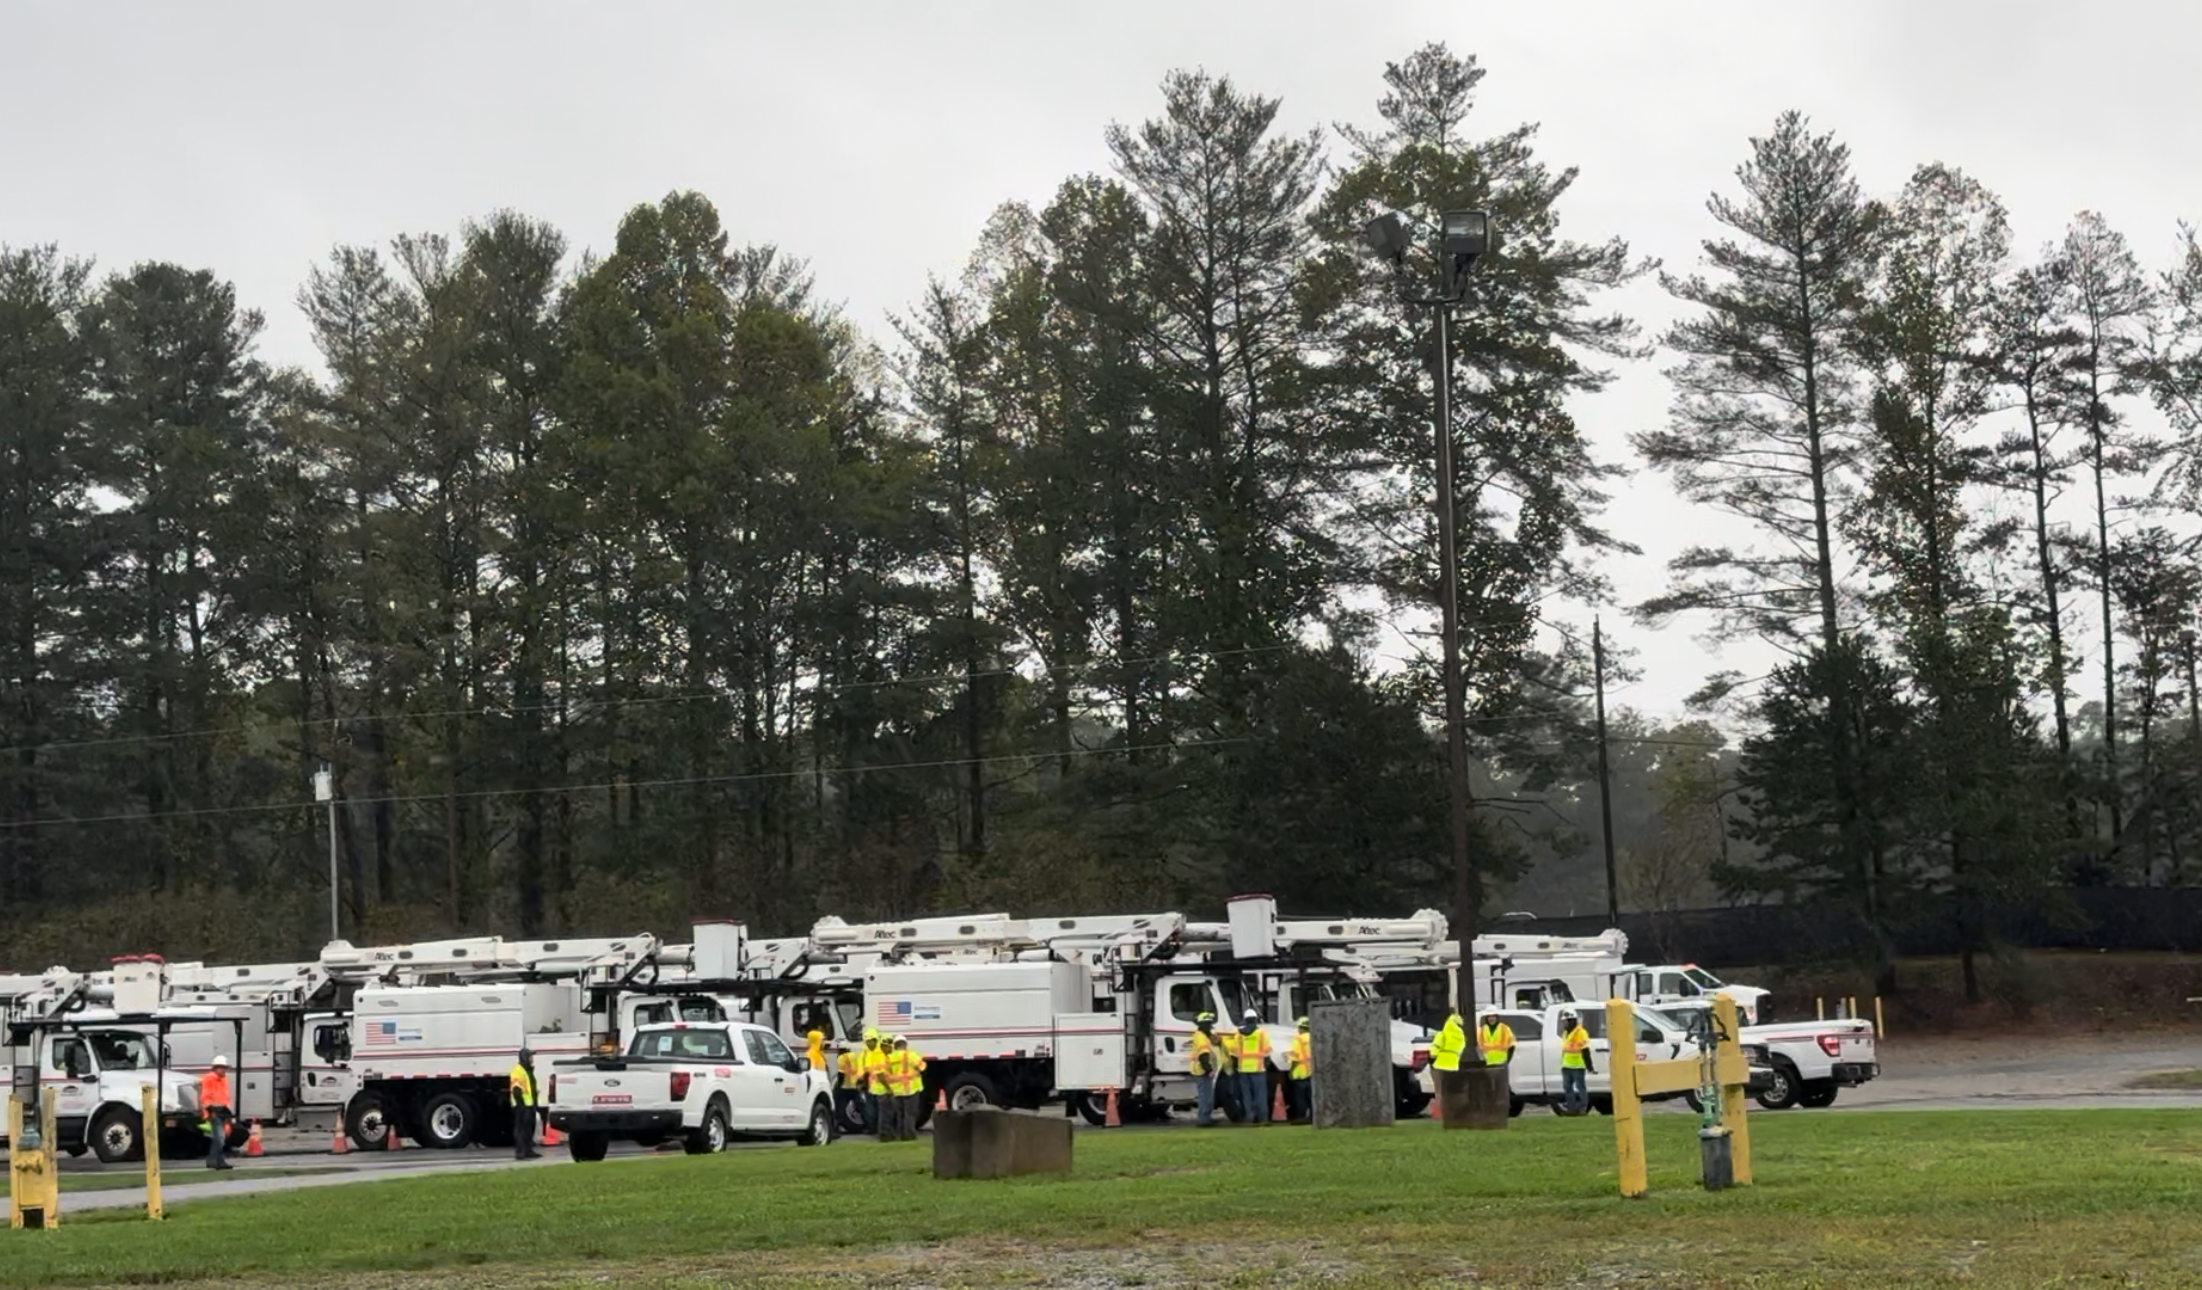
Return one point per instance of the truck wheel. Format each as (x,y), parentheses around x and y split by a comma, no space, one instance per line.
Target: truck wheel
(1094,1108)
(1781,1090)
(1514,1106)
(366,1124)
(970,1090)
(819,1131)
(1817,1093)
(1414,1105)
(117,1135)
(587,1147)
(1602,1104)
(448,1121)
(1693,1101)
(709,1138)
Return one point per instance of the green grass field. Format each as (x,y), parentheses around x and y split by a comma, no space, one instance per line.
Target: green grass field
(172,1177)
(2012,1198)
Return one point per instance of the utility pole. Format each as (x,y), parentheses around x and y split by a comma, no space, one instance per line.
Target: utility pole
(1467,893)
(1605,783)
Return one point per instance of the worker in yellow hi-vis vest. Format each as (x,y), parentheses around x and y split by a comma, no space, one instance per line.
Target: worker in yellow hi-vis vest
(1574,1065)
(1298,1102)
(1253,1063)
(1451,1042)
(1205,1060)
(1495,1040)
(873,1062)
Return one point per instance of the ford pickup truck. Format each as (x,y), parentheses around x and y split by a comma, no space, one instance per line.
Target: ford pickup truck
(1810,1060)
(704,1084)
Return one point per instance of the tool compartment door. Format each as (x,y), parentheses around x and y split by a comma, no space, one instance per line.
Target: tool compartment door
(1089,1051)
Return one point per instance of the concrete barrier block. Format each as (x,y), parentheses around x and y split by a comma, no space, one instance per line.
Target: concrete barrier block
(993,1143)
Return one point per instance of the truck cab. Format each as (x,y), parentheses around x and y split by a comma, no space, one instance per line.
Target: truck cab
(96,1074)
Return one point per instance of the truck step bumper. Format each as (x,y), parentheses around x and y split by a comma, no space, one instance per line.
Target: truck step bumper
(616,1122)
(1855,1072)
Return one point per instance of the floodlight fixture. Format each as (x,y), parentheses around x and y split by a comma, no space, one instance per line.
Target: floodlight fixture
(1467,237)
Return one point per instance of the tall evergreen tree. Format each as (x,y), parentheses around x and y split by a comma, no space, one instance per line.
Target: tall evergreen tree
(1765,427)
(2111,302)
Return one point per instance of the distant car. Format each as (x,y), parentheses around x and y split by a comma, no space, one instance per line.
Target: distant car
(705,1084)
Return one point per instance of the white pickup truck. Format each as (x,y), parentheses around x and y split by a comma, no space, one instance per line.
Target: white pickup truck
(1810,1060)
(1662,1034)
(1534,1075)
(705,1084)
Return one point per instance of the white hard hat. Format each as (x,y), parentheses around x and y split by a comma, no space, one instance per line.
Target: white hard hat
(220,1060)
(1252,1015)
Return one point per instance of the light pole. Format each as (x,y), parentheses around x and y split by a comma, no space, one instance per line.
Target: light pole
(324,790)
(1463,238)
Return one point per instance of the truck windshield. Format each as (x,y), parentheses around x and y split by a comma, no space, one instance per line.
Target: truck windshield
(1704,980)
(120,1050)
(1233,995)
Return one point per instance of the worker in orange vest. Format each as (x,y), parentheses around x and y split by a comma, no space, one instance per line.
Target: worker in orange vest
(216,1111)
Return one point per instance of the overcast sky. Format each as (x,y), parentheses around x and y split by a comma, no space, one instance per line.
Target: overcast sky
(873,137)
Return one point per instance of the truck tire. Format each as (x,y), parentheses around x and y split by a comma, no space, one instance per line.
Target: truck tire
(1781,1091)
(1817,1094)
(448,1121)
(970,1090)
(1413,1106)
(117,1135)
(366,1124)
(586,1146)
(1693,1101)
(708,1138)
(1094,1108)
(1514,1106)
(819,1131)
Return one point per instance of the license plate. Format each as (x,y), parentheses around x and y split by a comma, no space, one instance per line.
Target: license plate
(612,1099)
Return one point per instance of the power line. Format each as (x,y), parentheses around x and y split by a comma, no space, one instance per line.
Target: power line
(673,782)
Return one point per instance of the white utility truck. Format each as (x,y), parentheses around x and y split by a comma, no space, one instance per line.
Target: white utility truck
(704,1084)
(1596,967)
(97,1059)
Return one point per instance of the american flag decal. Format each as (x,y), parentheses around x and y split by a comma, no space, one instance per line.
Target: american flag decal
(380,1033)
(893,1011)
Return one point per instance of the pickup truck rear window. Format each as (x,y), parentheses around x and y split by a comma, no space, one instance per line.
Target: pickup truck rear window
(694,1045)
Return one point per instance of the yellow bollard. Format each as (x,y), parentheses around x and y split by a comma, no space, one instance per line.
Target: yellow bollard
(1879,1031)
(1734,1114)
(149,1099)
(1632,1080)
(1628,1109)
(34,1174)
(1819,1009)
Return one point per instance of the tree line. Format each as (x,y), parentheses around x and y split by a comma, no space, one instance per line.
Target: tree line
(615,588)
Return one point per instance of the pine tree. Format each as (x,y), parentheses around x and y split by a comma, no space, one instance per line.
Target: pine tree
(2111,302)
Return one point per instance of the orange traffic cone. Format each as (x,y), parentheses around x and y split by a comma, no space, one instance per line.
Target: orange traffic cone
(1277,1105)
(339,1144)
(551,1137)
(390,1137)
(252,1142)
(940,1104)
(1111,1119)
